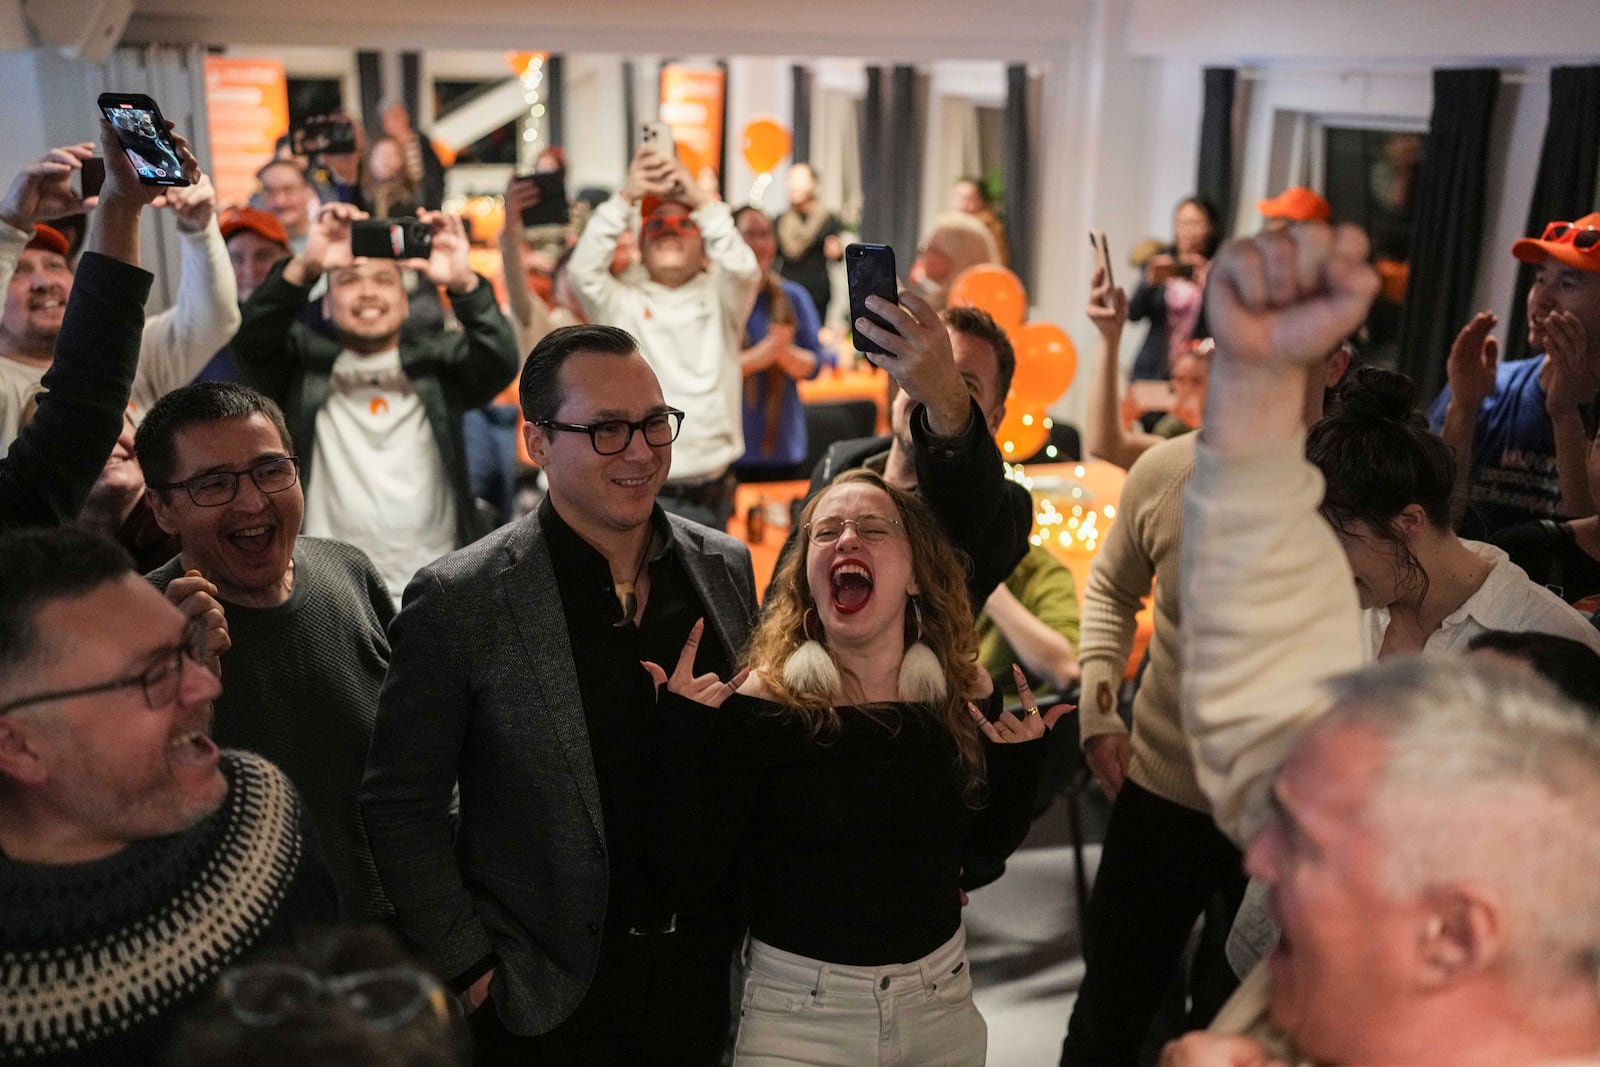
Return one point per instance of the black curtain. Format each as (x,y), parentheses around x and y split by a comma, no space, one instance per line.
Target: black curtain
(875,216)
(903,171)
(1214,178)
(555,84)
(1017,166)
(1447,222)
(369,78)
(800,116)
(1565,187)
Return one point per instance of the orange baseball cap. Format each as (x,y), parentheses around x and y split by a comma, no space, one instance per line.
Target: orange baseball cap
(1575,243)
(1297,204)
(49,239)
(260,223)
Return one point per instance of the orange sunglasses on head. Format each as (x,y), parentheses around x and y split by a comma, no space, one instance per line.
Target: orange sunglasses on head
(670,225)
(1585,239)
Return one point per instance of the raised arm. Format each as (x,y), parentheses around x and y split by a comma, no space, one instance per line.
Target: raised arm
(1470,372)
(529,316)
(51,466)
(484,359)
(1107,438)
(1570,384)
(1270,606)
(181,340)
(265,345)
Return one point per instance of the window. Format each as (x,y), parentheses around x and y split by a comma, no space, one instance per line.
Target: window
(1369,179)
(498,145)
(314,96)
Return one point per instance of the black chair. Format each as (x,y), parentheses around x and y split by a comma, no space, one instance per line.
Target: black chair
(1064,445)
(836,420)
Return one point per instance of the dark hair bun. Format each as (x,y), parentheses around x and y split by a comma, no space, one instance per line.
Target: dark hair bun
(1372,394)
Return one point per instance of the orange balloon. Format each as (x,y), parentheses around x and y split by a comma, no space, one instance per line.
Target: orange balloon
(1046,362)
(1022,433)
(765,145)
(994,289)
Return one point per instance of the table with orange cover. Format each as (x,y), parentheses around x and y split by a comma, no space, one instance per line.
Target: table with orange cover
(863,382)
(1074,507)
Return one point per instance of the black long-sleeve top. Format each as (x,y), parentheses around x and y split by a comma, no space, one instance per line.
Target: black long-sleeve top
(856,840)
(53,463)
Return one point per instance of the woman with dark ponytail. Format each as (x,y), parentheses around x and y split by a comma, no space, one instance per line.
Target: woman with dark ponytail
(1388,498)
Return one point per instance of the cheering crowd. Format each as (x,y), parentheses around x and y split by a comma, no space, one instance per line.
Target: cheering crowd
(320,744)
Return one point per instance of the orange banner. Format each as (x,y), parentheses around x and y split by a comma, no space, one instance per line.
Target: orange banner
(691,103)
(247,104)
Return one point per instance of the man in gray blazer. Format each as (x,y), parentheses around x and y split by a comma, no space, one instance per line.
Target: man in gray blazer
(515,676)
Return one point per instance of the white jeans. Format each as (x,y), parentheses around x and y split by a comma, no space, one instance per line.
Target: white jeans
(797,1011)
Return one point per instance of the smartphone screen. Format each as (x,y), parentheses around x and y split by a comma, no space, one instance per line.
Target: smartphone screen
(142,132)
(870,272)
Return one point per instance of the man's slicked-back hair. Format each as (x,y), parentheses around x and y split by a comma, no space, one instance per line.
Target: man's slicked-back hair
(980,325)
(39,566)
(540,388)
(156,440)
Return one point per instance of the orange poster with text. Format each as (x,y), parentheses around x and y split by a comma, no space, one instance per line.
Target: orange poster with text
(691,103)
(247,103)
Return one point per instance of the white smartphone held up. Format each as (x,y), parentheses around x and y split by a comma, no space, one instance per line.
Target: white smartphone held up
(657,136)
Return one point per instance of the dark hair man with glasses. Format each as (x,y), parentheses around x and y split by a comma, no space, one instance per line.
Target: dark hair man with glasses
(306,615)
(1521,430)
(136,859)
(517,676)
(688,312)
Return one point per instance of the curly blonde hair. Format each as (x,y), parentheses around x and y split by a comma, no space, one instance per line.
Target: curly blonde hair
(947,625)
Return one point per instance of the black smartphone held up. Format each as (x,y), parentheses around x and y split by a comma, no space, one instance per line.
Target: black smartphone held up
(552,208)
(391,239)
(92,177)
(333,135)
(142,131)
(1102,255)
(870,272)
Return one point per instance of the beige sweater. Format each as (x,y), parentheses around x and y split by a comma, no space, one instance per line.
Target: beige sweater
(1143,544)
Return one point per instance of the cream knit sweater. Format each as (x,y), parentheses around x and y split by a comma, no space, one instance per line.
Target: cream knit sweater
(1143,544)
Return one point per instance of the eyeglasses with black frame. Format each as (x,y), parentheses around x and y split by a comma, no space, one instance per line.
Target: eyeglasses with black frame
(216,488)
(615,435)
(268,994)
(160,680)
(872,529)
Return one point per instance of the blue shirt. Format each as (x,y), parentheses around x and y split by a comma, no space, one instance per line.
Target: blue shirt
(1514,476)
(789,447)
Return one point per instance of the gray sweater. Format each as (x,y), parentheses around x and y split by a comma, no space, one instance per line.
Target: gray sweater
(300,687)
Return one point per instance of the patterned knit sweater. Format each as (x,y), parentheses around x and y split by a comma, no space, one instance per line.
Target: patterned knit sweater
(1143,544)
(99,961)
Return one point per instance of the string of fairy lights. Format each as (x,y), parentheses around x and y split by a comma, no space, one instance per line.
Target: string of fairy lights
(1066,514)
(530,146)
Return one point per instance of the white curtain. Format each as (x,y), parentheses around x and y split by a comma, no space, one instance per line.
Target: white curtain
(836,152)
(176,77)
(955,149)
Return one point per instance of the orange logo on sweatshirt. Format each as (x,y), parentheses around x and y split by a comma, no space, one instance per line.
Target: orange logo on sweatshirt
(378,405)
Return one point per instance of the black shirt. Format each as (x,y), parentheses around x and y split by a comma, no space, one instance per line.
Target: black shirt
(618,700)
(857,840)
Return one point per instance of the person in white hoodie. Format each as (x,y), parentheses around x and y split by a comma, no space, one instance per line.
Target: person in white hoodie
(1429,829)
(37,279)
(687,308)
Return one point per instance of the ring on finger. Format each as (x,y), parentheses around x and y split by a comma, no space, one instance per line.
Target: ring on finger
(1031,712)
